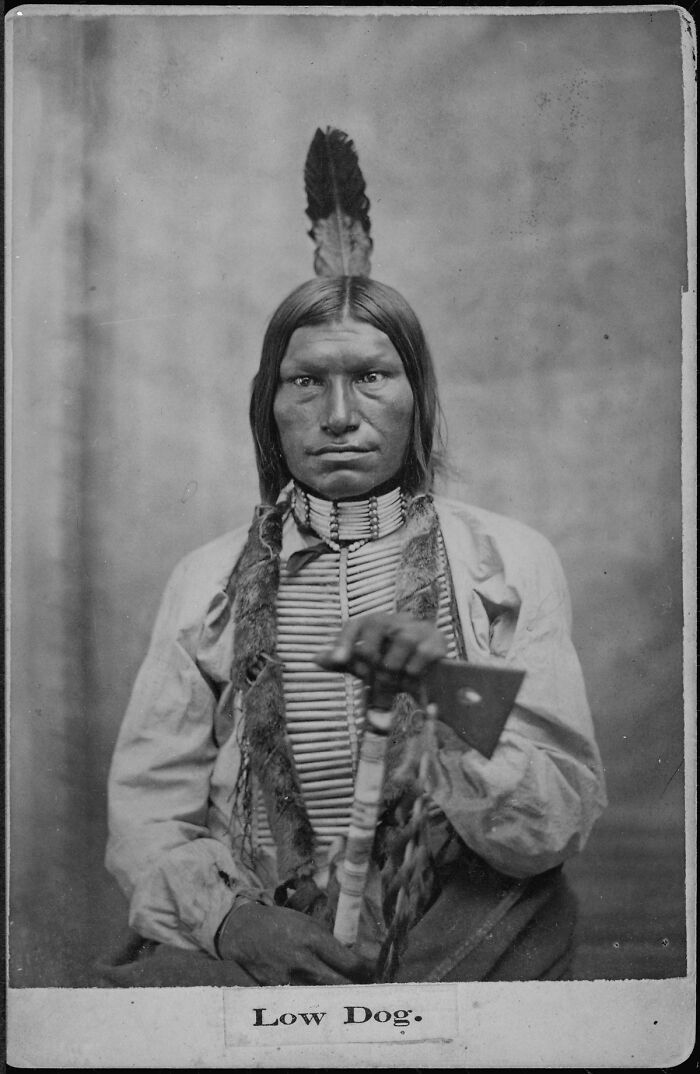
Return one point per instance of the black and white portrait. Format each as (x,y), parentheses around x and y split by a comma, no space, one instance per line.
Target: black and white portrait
(349,524)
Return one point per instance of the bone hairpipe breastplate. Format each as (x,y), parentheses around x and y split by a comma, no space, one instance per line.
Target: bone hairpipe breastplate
(325,710)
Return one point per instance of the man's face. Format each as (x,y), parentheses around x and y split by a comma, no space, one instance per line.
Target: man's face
(344,408)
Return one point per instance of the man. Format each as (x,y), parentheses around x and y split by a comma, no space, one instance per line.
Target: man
(232,780)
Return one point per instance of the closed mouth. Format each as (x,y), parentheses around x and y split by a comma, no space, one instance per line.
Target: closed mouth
(341,449)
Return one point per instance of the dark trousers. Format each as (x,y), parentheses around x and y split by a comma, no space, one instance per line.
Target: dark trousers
(482,927)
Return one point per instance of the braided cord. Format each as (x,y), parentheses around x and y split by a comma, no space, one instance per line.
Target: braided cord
(408,873)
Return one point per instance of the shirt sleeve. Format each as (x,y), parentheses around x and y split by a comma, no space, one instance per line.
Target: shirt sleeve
(533,803)
(180,881)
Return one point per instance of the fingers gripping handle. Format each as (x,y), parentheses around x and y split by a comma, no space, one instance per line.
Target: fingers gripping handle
(363,824)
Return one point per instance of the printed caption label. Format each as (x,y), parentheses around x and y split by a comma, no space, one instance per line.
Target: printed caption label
(290,1015)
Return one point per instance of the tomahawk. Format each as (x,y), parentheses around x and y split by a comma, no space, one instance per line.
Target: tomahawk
(473,700)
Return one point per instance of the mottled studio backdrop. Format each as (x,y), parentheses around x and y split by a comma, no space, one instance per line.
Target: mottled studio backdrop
(526,179)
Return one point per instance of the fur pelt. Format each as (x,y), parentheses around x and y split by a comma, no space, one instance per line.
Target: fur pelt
(258,675)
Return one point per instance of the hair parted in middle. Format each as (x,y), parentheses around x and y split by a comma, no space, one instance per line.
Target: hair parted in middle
(331,300)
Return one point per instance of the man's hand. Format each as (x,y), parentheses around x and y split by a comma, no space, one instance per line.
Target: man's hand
(280,946)
(382,644)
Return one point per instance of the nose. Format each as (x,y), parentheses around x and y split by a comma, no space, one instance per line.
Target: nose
(340,414)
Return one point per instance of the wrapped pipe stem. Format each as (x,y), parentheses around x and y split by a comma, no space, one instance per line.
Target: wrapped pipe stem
(363,824)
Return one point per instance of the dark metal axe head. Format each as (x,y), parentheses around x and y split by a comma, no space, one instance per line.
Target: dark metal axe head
(474,700)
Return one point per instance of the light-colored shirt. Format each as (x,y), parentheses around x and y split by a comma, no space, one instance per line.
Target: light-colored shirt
(175,832)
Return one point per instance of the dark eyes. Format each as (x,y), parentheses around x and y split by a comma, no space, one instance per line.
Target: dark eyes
(373,376)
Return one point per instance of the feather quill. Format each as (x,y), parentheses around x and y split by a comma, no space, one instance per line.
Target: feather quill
(338,206)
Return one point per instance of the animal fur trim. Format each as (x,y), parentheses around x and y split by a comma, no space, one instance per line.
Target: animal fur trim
(258,675)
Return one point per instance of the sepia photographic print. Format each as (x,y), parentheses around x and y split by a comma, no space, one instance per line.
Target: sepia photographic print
(350,411)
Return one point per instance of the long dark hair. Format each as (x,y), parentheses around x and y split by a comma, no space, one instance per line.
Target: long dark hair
(329,300)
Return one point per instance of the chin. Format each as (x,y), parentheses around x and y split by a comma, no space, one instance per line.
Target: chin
(345,491)
(343,485)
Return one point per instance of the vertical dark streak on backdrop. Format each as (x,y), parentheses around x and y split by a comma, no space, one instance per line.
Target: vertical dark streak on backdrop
(53,796)
(81,727)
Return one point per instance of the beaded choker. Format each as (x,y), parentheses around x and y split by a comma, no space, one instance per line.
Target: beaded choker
(358,521)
